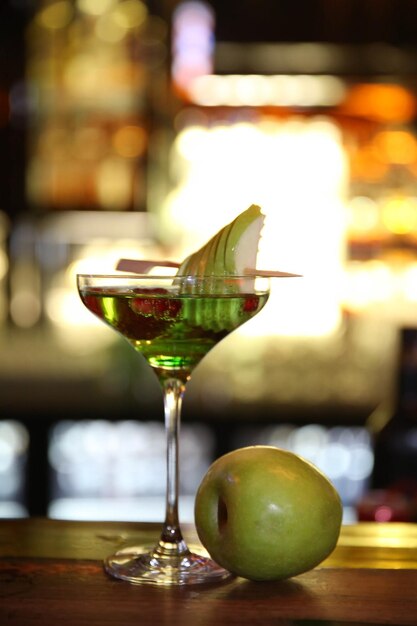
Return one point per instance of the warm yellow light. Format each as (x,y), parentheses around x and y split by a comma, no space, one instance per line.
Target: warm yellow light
(297,172)
(56,15)
(368,284)
(130,13)
(114,183)
(208,90)
(363,215)
(90,143)
(258,90)
(252,90)
(95,7)
(381,102)
(399,214)
(383,291)
(364,164)
(397,146)
(53,143)
(81,74)
(409,283)
(63,305)
(110,29)
(25,308)
(64,308)
(129,141)
(4,263)
(191,142)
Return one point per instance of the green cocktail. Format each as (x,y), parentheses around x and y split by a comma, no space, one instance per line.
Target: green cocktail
(173,322)
(172,330)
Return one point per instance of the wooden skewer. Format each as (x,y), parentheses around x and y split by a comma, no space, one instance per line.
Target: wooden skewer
(270,273)
(139,266)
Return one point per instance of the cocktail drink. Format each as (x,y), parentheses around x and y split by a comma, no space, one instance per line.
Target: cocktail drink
(172,328)
(173,321)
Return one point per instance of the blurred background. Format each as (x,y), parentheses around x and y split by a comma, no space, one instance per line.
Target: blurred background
(138,129)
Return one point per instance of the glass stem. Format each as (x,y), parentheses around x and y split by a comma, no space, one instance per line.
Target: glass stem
(171,542)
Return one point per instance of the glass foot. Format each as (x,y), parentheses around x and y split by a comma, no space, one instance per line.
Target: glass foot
(143,565)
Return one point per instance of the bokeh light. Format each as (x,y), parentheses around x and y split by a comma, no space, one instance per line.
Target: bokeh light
(399,214)
(56,15)
(297,172)
(130,141)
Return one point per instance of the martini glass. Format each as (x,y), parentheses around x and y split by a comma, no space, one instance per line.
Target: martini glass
(173,322)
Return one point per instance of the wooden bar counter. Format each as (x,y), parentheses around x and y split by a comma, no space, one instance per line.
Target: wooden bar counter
(51,574)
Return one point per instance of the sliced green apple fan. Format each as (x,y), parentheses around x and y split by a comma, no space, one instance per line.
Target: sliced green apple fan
(231,252)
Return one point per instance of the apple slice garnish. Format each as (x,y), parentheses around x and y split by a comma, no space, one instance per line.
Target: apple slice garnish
(230,252)
(227,253)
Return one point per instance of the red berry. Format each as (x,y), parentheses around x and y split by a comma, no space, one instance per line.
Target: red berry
(251,304)
(159,307)
(93,304)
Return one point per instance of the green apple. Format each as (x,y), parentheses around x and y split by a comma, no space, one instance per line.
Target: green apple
(266,514)
(231,251)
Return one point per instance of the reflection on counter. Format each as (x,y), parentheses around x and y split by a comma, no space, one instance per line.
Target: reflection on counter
(14,442)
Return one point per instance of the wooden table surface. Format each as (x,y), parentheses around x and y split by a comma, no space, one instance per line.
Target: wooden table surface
(51,573)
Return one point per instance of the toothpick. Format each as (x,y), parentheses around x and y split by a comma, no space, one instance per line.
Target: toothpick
(138,266)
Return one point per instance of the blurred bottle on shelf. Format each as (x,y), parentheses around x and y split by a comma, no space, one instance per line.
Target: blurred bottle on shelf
(93,70)
(396,443)
(394,481)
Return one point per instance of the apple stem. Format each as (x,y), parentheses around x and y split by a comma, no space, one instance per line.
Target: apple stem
(171,542)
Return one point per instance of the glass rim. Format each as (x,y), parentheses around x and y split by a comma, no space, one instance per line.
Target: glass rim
(173,276)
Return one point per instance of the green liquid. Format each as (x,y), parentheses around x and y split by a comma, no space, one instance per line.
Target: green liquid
(173,331)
